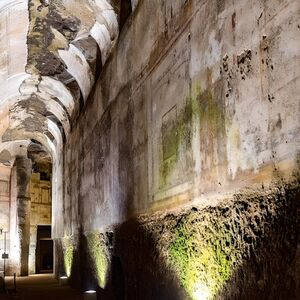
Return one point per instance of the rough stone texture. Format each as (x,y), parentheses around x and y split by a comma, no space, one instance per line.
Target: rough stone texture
(198,101)
(246,247)
(169,122)
(23,173)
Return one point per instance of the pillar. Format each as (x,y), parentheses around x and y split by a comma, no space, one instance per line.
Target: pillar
(23,172)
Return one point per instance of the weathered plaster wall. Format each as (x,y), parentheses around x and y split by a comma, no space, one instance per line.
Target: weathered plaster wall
(23,173)
(184,110)
(246,247)
(198,100)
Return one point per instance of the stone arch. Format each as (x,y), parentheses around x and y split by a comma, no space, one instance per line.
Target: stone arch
(51,64)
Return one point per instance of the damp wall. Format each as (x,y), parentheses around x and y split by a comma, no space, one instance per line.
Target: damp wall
(198,102)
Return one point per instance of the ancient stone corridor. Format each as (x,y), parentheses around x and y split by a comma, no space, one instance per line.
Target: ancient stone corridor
(150,149)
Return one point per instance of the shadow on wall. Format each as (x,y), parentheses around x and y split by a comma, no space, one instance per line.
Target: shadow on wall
(229,252)
(139,270)
(270,268)
(133,269)
(244,248)
(221,253)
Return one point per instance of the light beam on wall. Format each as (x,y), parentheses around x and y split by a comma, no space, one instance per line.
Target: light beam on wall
(202,292)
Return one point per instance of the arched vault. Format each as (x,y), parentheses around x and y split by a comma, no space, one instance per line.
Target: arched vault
(50,55)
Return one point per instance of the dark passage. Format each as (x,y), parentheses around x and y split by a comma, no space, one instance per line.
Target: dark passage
(44,250)
(118,278)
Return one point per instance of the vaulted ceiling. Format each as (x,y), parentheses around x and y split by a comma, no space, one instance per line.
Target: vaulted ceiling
(51,52)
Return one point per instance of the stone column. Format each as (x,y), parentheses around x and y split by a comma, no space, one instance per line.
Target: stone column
(23,170)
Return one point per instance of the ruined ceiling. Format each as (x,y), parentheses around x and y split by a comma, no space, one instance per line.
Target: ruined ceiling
(50,54)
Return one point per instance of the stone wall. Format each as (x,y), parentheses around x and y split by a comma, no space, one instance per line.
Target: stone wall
(40,214)
(198,101)
(246,247)
(185,108)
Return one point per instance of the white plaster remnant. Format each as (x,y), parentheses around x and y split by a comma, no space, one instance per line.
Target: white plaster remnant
(54,130)
(49,87)
(78,68)
(100,33)
(101,4)
(11,87)
(29,86)
(111,22)
(57,110)
(15,147)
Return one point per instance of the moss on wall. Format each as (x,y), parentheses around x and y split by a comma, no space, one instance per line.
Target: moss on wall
(98,250)
(68,252)
(235,250)
(202,110)
(180,134)
(198,257)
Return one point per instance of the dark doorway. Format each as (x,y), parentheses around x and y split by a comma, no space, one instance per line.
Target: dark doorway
(118,281)
(44,250)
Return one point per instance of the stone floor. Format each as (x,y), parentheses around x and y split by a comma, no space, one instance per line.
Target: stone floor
(40,287)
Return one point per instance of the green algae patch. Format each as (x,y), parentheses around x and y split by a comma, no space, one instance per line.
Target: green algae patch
(177,135)
(211,115)
(204,113)
(98,250)
(68,252)
(166,169)
(201,262)
(217,252)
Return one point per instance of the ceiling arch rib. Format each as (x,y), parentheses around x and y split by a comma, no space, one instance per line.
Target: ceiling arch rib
(9,150)
(35,95)
(26,137)
(79,68)
(35,108)
(25,120)
(58,27)
(51,53)
(52,88)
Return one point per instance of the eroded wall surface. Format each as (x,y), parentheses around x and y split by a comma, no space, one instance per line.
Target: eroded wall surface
(198,103)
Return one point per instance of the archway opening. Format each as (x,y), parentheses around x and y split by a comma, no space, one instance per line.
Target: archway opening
(26,208)
(41,244)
